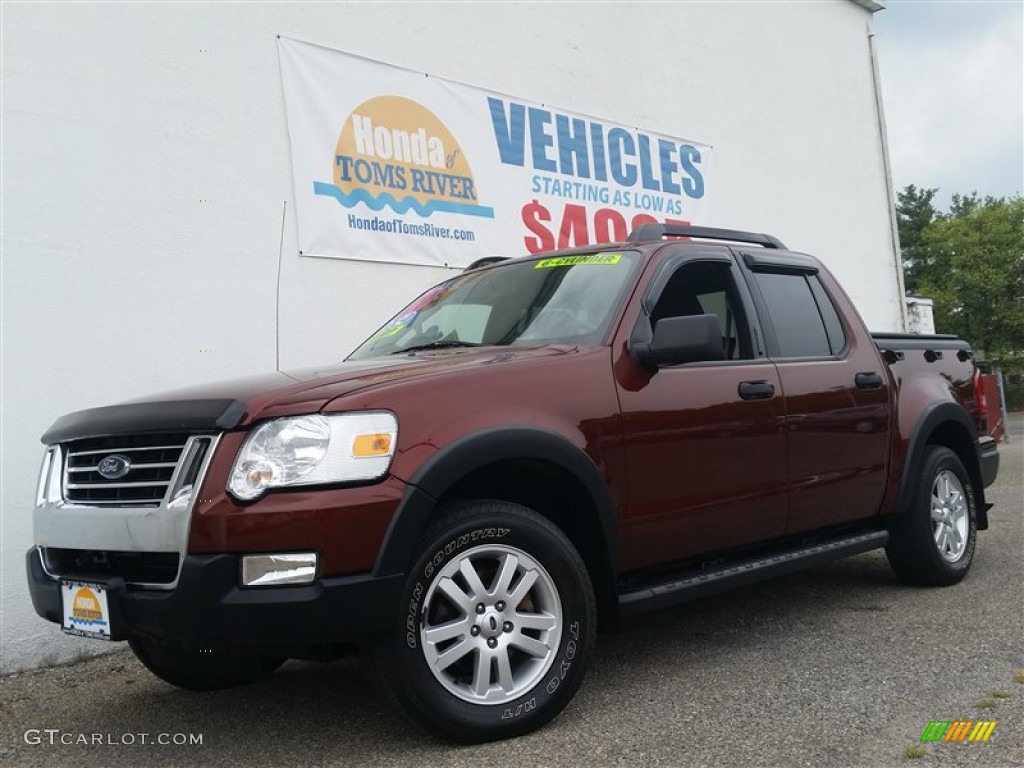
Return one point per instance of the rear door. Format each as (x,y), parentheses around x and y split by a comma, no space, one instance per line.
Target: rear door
(837,396)
(705,442)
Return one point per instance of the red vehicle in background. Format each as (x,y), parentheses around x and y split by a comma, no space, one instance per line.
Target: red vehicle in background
(990,402)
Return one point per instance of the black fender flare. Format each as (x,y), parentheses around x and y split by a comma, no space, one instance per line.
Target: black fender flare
(933,417)
(476,450)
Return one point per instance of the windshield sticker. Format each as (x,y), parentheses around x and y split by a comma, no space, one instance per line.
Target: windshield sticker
(395,326)
(389,331)
(572,261)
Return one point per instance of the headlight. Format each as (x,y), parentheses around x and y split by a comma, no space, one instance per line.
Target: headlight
(312,450)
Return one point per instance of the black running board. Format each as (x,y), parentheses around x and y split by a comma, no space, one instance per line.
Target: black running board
(728,575)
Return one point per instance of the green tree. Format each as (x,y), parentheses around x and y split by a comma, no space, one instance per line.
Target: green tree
(971,262)
(914,212)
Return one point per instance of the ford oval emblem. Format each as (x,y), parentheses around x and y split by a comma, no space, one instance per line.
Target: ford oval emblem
(114,467)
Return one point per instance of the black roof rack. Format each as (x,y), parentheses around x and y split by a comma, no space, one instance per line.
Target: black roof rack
(485,261)
(658,231)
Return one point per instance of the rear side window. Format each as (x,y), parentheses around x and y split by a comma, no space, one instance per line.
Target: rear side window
(833,325)
(799,326)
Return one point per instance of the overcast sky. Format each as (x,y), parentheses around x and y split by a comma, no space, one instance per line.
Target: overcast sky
(953,80)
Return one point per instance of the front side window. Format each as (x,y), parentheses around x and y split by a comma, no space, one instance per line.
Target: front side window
(707,288)
(554,300)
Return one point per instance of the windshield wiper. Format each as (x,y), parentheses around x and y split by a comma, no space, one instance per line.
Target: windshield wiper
(440,344)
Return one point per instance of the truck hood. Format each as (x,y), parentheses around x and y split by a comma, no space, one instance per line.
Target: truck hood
(310,389)
(238,402)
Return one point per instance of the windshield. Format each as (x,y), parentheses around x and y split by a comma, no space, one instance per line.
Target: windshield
(556,300)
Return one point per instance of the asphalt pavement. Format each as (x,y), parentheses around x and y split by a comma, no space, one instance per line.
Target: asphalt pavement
(837,666)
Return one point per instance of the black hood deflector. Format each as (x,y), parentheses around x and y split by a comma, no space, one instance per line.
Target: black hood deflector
(140,418)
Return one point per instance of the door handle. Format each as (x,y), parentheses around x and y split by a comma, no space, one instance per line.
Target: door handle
(756,390)
(868,380)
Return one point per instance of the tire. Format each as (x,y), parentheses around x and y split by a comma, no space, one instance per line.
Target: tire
(497,622)
(933,542)
(198,671)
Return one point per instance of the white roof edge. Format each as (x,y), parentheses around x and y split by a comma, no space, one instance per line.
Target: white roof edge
(871,5)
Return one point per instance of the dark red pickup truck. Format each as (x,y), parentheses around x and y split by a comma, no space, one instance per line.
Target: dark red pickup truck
(527,449)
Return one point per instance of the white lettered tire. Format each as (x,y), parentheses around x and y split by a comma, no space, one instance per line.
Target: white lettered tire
(498,620)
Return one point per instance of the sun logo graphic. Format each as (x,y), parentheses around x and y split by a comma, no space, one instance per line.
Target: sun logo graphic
(85,608)
(393,152)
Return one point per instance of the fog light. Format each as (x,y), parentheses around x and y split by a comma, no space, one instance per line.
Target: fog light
(274,570)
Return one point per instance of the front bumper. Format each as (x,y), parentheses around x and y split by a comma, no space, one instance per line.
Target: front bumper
(207,608)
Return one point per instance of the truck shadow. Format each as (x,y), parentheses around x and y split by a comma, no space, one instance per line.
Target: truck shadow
(339,711)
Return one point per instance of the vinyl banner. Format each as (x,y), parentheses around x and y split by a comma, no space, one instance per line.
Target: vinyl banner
(394,165)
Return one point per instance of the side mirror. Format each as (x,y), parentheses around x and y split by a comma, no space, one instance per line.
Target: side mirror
(677,340)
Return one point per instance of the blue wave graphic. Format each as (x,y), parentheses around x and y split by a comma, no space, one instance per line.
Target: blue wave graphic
(379,202)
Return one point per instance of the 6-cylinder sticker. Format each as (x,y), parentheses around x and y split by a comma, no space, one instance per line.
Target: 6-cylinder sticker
(572,261)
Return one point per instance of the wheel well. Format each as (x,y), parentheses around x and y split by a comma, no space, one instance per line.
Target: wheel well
(952,435)
(558,495)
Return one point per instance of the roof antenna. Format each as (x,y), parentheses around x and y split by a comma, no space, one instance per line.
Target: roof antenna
(277,307)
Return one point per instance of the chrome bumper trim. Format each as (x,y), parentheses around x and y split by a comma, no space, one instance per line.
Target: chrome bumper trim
(162,527)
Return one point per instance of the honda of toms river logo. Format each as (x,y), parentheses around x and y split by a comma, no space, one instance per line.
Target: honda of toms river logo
(394,152)
(86,608)
(958,730)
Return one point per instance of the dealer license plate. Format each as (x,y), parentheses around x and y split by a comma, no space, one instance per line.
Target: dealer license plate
(86,612)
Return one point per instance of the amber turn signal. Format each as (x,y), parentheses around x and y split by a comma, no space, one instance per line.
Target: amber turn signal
(378,444)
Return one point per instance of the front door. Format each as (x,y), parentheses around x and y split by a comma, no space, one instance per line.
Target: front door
(705,442)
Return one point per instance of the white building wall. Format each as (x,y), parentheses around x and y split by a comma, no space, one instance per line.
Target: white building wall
(116,126)
(920,315)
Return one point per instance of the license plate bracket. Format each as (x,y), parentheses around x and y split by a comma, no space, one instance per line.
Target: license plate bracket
(85,607)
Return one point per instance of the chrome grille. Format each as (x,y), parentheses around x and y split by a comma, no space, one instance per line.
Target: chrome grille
(153,461)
